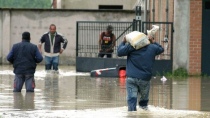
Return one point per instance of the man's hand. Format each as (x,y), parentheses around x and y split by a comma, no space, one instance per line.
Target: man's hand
(40,51)
(61,51)
(40,47)
(124,40)
(151,39)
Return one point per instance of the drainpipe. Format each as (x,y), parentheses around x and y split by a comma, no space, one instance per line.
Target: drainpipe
(145,14)
(167,15)
(165,40)
(153,11)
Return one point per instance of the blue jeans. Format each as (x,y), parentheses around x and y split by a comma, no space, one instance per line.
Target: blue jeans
(51,62)
(135,87)
(20,79)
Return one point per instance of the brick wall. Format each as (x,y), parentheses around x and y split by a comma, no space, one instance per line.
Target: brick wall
(195,37)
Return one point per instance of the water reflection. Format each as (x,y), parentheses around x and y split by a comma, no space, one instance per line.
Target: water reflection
(99,93)
(73,94)
(203,97)
(184,94)
(51,89)
(161,93)
(23,102)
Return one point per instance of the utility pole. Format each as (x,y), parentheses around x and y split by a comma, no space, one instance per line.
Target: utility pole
(138,18)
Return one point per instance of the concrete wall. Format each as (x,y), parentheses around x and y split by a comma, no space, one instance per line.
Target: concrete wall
(181,34)
(5,34)
(94,4)
(15,21)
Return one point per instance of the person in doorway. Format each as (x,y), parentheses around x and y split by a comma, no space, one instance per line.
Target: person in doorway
(52,47)
(106,42)
(24,56)
(139,70)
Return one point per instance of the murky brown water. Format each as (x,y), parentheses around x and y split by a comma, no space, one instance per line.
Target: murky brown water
(76,95)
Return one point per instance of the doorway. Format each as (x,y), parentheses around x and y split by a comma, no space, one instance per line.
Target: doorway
(205,64)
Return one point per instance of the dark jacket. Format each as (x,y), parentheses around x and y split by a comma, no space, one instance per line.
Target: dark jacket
(24,56)
(139,62)
(57,44)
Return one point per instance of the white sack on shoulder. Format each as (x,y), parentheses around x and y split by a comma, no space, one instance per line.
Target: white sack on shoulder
(137,39)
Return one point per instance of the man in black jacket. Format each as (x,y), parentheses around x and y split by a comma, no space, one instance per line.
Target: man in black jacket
(24,56)
(52,47)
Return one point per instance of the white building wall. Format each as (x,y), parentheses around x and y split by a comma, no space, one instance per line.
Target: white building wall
(93,4)
(15,22)
(181,34)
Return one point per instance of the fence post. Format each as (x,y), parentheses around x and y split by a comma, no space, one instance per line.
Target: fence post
(77,29)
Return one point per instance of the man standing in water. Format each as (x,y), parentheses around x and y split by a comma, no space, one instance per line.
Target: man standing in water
(52,47)
(139,70)
(24,56)
(106,42)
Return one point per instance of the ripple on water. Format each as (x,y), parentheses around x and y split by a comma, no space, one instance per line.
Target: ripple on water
(154,112)
(42,73)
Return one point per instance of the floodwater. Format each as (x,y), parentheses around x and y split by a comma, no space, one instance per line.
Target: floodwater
(77,95)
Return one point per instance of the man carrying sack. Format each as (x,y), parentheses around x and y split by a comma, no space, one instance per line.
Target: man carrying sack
(140,54)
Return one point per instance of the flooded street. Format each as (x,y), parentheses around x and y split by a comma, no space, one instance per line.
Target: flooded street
(77,95)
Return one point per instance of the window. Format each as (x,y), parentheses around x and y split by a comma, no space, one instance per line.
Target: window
(110,7)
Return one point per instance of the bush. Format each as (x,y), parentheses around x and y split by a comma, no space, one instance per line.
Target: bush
(180,72)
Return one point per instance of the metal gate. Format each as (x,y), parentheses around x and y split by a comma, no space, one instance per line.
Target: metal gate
(164,36)
(87,44)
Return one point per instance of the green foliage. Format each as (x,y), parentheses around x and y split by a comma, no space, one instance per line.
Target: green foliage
(180,72)
(205,75)
(25,3)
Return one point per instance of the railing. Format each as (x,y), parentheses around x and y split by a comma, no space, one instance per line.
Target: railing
(87,45)
(164,36)
(88,32)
